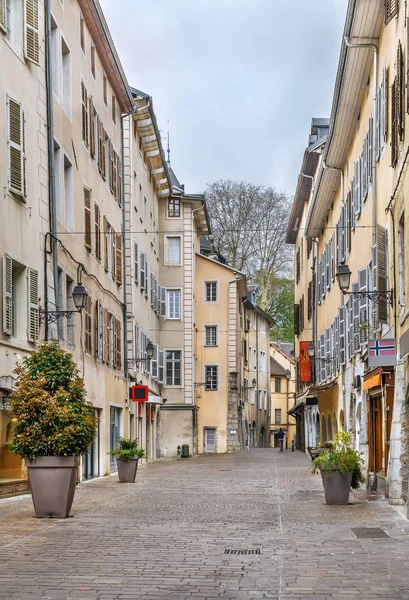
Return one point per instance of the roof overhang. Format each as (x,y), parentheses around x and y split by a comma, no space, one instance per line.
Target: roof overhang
(149,133)
(363,25)
(105,47)
(200,216)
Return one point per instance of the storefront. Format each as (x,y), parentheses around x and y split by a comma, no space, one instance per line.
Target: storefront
(13,472)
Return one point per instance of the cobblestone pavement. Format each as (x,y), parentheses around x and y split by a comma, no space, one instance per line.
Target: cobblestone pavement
(166,537)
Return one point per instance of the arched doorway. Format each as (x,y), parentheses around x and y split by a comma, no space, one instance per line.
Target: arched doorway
(323,430)
(317,429)
(334,424)
(329,425)
(253,435)
(262,437)
(341,420)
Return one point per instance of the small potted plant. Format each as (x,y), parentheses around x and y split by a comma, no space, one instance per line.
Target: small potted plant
(127,458)
(341,468)
(53,427)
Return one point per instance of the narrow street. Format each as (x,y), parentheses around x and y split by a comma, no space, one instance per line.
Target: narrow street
(168,536)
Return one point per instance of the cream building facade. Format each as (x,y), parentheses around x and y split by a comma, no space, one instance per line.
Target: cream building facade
(355,216)
(25,216)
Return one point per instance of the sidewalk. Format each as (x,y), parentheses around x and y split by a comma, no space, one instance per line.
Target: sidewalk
(175,534)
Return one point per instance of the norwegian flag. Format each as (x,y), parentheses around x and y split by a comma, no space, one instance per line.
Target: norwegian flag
(382,353)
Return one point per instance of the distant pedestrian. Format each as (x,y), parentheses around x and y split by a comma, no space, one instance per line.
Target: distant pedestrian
(247,443)
(281,436)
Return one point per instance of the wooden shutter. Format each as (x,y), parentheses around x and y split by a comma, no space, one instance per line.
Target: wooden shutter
(119,181)
(298,265)
(142,270)
(363,307)
(136,262)
(84,114)
(309,301)
(101,149)
(7,295)
(113,251)
(16,150)
(384,106)
(111,166)
(399,91)
(319,281)
(374,311)
(96,329)
(106,241)
(33,308)
(114,167)
(332,266)
(3,16)
(117,328)
(296,319)
(97,225)
(394,130)
(106,336)
(407,64)
(118,257)
(391,9)
(382,274)
(87,219)
(91,128)
(146,277)
(31,31)
(88,326)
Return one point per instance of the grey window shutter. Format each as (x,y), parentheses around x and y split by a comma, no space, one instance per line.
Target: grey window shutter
(33,308)
(332,257)
(322,355)
(154,361)
(7,295)
(377,125)
(351,328)
(318,276)
(384,106)
(327,353)
(355,302)
(370,149)
(348,222)
(374,307)
(163,302)
(363,307)
(136,263)
(382,263)
(341,347)
(161,377)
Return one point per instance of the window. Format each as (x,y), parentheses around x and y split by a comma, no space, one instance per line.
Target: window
(211,335)
(17,182)
(211,378)
(173,367)
(173,250)
(136,263)
(173,304)
(277,416)
(101,149)
(260,399)
(88,326)
(277,385)
(55,56)
(20,300)
(105,89)
(87,219)
(97,226)
(113,108)
(68,193)
(84,114)
(255,358)
(12,22)
(265,400)
(401,263)
(59,197)
(174,207)
(262,361)
(211,291)
(93,60)
(262,325)
(66,93)
(82,33)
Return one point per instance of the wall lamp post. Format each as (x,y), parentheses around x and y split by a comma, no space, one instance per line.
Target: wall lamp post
(150,349)
(79,295)
(207,382)
(344,279)
(311,354)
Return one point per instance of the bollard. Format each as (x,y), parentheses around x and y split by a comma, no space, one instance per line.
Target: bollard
(179,452)
(292,446)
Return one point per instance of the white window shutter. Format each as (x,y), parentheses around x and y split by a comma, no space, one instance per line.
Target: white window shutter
(152,290)
(3,16)
(161,377)
(327,354)
(341,347)
(146,277)
(384,107)
(142,270)
(154,361)
(163,302)
(31,31)
(16,143)
(33,309)
(363,307)
(332,258)
(136,263)
(355,303)
(370,150)
(7,295)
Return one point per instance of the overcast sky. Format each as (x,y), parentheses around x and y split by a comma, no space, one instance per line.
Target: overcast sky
(238,80)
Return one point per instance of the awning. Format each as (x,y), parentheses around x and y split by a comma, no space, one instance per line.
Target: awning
(372,381)
(295,409)
(155,400)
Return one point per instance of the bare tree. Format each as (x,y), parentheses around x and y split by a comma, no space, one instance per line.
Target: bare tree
(249,225)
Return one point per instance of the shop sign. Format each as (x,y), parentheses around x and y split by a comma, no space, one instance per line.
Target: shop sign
(382,353)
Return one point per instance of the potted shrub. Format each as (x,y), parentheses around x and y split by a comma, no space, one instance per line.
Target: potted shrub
(53,426)
(315,451)
(341,468)
(127,458)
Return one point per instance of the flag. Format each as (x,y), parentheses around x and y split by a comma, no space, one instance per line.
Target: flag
(382,353)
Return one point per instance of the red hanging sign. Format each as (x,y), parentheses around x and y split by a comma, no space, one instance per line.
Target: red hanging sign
(139,393)
(305,363)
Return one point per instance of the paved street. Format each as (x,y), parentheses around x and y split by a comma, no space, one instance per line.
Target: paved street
(167,537)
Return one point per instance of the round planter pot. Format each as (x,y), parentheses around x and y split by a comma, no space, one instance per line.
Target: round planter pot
(52,481)
(336,486)
(127,470)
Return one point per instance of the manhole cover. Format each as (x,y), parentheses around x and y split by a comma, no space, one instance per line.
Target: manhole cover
(234,551)
(369,532)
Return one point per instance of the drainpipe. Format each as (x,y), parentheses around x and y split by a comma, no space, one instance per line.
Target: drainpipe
(375,80)
(51,165)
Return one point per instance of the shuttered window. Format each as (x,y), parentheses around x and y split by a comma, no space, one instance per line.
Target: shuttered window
(394,129)
(91,128)
(118,258)
(363,307)
(33,308)
(391,10)
(298,266)
(88,326)
(3,16)
(106,335)
(101,149)
(161,374)
(142,270)
(87,219)
(84,114)
(400,91)
(154,361)
(106,240)
(355,304)
(7,295)
(342,337)
(296,319)
(309,301)
(16,148)
(111,167)
(97,225)
(31,34)
(118,193)
(117,343)
(381,274)
(136,262)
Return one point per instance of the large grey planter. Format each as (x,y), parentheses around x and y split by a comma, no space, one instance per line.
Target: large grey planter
(127,470)
(52,481)
(336,486)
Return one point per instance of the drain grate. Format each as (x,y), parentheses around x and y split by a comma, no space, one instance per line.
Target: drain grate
(370,533)
(234,551)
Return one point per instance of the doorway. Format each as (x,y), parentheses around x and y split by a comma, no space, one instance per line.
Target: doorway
(114,433)
(91,459)
(210,439)
(375,434)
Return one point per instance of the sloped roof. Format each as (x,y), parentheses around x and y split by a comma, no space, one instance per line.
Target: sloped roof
(285,348)
(276,369)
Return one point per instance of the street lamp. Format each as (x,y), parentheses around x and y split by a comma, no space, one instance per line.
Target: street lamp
(344,277)
(79,296)
(311,349)
(133,361)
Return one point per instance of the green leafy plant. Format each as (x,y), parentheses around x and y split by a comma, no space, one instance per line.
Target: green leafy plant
(342,457)
(127,449)
(48,406)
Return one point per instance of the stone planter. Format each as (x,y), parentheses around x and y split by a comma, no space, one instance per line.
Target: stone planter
(127,470)
(336,486)
(52,481)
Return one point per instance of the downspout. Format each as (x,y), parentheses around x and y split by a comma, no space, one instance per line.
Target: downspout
(195,433)
(51,165)
(375,84)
